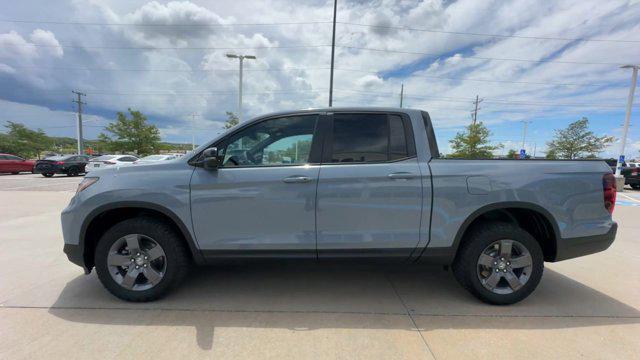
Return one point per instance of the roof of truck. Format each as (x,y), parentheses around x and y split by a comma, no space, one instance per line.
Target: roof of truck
(340,109)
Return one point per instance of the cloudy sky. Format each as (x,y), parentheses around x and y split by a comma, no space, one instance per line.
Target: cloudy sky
(549,62)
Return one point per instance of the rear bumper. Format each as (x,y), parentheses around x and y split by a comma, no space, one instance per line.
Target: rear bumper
(580,246)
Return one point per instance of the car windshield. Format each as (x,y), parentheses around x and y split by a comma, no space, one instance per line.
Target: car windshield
(104,158)
(154,158)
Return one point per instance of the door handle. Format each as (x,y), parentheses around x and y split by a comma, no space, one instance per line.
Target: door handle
(402,175)
(296,179)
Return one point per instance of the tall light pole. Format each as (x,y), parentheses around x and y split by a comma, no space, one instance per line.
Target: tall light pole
(333,51)
(525,123)
(241,58)
(627,119)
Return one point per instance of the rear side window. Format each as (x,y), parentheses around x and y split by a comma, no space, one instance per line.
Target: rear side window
(431,137)
(365,138)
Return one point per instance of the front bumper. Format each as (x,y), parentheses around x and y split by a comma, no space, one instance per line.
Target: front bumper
(575,247)
(76,256)
(632,180)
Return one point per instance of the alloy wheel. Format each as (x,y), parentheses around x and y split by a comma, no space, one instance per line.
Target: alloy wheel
(504,266)
(137,262)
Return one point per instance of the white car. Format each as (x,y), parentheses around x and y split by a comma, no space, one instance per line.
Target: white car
(109,160)
(155,158)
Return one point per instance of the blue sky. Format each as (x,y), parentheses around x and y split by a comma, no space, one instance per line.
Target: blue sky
(551,63)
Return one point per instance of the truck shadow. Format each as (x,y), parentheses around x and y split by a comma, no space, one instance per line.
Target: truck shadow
(306,297)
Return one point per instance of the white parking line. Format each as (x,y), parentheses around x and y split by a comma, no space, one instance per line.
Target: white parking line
(629,197)
(34,186)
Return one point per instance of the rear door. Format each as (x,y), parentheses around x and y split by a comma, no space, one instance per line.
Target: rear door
(370,187)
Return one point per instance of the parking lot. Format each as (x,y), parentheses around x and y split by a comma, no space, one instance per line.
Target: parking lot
(587,307)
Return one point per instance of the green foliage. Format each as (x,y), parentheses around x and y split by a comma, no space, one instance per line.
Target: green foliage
(576,141)
(551,154)
(512,154)
(473,144)
(23,141)
(232,120)
(131,134)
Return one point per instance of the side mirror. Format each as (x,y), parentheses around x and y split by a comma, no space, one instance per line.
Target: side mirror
(210,158)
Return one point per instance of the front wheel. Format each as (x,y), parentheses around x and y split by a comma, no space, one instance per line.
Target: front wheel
(47,174)
(141,259)
(499,263)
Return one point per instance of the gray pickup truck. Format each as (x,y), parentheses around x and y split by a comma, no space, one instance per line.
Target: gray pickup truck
(338,183)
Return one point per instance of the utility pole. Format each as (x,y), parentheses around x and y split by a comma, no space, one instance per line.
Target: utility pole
(333,51)
(474,113)
(79,133)
(625,130)
(524,132)
(193,131)
(241,58)
(401,94)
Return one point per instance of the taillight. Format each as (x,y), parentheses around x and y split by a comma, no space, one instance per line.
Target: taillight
(109,162)
(609,188)
(634,172)
(59,162)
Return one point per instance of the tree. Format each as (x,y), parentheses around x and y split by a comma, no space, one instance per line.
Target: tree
(576,141)
(551,154)
(232,120)
(473,144)
(131,134)
(23,141)
(512,154)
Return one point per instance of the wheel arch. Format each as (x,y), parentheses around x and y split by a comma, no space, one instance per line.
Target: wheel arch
(533,218)
(103,217)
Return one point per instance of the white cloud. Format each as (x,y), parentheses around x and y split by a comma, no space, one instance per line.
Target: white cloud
(48,40)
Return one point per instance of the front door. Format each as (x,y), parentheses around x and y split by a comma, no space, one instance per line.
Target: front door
(370,188)
(262,199)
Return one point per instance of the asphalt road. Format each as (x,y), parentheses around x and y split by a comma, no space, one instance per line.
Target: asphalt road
(587,307)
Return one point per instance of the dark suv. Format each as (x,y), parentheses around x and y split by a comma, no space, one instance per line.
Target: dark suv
(72,165)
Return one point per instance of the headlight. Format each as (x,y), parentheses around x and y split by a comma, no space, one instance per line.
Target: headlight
(86,182)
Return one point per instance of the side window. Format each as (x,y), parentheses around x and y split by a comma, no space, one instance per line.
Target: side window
(397,139)
(3,157)
(11,157)
(360,138)
(71,159)
(363,138)
(431,137)
(128,159)
(274,142)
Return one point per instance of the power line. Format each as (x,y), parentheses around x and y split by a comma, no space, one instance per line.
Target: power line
(306,69)
(478,57)
(160,25)
(486,34)
(171,47)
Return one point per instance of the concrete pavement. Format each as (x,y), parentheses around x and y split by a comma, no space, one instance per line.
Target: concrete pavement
(587,307)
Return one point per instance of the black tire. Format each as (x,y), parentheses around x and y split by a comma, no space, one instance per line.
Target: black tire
(47,174)
(15,173)
(72,172)
(177,257)
(635,186)
(465,266)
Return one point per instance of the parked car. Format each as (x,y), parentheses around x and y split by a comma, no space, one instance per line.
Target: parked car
(154,159)
(110,160)
(71,165)
(350,183)
(631,175)
(15,164)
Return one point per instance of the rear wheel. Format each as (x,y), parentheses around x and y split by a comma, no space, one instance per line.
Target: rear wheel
(47,174)
(499,263)
(141,259)
(635,186)
(72,172)
(15,173)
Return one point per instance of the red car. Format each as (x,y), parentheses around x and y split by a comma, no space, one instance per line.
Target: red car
(15,164)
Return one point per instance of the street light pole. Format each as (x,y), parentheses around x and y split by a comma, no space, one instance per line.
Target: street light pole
(627,119)
(333,50)
(241,61)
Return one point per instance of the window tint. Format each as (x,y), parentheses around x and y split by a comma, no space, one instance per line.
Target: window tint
(3,157)
(431,137)
(397,138)
(128,159)
(360,138)
(12,157)
(274,142)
